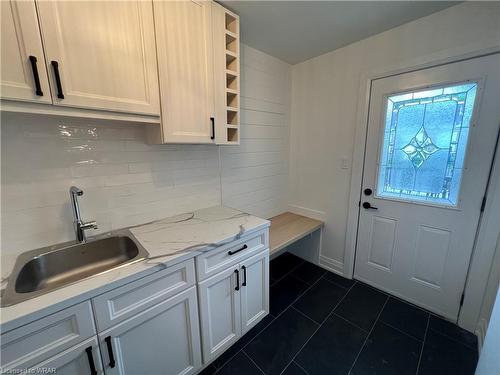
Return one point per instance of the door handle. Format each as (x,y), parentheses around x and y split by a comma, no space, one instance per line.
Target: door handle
(110,352)
(90,357)
(55,66)
(244,283)
(36,77)
(368,206)
(237,280)
(212,121)
(237,251)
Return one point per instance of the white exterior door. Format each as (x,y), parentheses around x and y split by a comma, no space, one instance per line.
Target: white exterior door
(164,339)
(220,312)
(111,66)
(23,74)
(254,290)
(430,141)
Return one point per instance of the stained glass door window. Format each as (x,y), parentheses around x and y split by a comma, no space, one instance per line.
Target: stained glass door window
(424,144)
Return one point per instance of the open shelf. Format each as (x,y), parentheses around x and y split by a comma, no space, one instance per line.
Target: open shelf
(232,135)
(231,43)
(229,55)
(232,117)
(231,23)
(231,81)
(231,61)
(231,100)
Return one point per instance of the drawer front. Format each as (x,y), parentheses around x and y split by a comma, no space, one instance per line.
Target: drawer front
(122,303)
(35,342)
(219,259)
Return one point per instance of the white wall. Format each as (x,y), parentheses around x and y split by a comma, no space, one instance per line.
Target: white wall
(127,182)
(255,173)
(325,99)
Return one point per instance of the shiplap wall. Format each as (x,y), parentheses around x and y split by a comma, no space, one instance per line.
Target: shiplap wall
(128,182)
(255,173)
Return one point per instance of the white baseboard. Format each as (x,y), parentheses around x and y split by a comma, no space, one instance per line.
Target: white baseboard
(314,214)
(332,265)
(480,332)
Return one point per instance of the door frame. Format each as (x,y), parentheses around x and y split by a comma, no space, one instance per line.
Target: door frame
(481,259)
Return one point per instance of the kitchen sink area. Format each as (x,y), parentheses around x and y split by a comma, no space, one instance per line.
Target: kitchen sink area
(42,270)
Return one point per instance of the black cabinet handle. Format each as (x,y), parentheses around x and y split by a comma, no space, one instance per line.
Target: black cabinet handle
(55,66)
(110,352)
(237,251)
(237,279)
(244,283)
(368,206)
(36,77)
(90,357)
(212,120)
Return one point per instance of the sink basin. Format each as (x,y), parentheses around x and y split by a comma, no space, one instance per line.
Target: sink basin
(41,271)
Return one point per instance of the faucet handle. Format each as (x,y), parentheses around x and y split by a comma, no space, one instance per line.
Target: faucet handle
(89,225)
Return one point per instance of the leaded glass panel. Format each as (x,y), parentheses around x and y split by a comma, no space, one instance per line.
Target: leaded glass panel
(425,139)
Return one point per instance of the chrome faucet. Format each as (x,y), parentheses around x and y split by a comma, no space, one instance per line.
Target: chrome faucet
(80,226)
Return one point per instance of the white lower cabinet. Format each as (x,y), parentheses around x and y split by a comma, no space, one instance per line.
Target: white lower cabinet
(82,359)
(163,339)
(232,302)
(220,315)
(254,290)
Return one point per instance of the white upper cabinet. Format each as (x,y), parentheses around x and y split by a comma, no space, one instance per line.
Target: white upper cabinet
(101,54)
(184,47)
(23,73)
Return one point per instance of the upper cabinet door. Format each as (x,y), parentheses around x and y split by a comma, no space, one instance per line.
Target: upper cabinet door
(23,73)
(101,54)
(184,46)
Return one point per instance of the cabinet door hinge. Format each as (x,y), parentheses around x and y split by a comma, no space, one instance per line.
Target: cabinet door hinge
(462,299)
(483,203)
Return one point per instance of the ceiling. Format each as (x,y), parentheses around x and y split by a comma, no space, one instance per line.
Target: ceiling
(295,31)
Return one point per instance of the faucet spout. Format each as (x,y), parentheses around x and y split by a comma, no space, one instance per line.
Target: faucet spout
(79,225)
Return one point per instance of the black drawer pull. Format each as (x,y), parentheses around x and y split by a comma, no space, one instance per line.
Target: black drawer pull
(212,120)
(36,77)
(110,352)
(55,66)
(90,357)
(244,283)
(237,251)
(237,280)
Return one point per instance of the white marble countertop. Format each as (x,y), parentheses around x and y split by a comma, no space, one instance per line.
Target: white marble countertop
(168,242)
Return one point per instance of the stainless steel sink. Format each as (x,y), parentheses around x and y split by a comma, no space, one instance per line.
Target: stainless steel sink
(43,270)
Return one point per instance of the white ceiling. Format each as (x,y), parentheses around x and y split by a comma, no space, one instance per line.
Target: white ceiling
(295,31)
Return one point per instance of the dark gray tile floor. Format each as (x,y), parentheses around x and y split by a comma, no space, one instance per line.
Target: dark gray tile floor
(321,323)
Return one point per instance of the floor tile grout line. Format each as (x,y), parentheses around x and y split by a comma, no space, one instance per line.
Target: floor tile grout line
(299,366)
(244,346)
(348,321)
(318,328)
(336,284)
(369,333)
(307,282)
(423,344)
(275,317)
(304,315)
(251,360)
(286,274)
(401,331)
(453,339)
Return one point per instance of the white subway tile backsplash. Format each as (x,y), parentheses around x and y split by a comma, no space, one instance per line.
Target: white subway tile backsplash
(125,181)
(128,182)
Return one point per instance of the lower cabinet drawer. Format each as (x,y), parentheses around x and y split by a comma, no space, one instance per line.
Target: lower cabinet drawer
(38,341)
(217,260)
(127,301)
